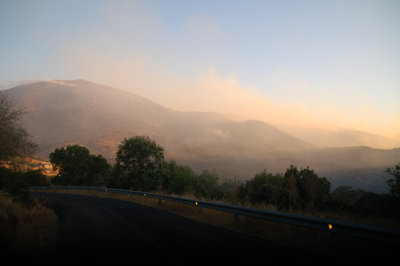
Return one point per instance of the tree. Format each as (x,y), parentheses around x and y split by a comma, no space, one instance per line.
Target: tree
(345,198)
(230,189)
(291,184)
(264,188)
(305,189)
(14,140)
(78,167)
(136,156)
(394,183)
(206,184)
(314,189)
(178,179)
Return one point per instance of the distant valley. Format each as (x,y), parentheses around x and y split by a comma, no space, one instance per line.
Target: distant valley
(100,117)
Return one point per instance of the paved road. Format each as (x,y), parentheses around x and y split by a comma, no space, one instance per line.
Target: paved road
(114,231)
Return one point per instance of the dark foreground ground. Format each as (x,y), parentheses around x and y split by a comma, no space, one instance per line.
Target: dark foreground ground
(115,232)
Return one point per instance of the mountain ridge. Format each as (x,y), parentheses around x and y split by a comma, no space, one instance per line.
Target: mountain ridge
(86,109)
(100,117)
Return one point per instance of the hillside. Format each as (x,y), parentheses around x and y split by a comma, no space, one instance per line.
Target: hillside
(99,117)
(66,112)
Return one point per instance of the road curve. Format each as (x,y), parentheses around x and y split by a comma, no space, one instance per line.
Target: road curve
(105,230)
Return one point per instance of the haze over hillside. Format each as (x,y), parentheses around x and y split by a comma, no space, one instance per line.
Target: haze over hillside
(99,117)
(81,111)
(342,137)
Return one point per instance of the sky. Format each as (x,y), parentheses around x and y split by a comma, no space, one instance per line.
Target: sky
(319,64)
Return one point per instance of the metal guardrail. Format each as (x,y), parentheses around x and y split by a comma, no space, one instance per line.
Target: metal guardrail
(316,223)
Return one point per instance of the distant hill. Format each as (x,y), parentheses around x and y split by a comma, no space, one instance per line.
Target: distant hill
(100,117)
(342,138)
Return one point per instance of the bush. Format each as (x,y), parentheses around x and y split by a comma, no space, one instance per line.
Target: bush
(229,190)
(36,178)
(15,185)
(27,232)
(78,167)
(305,189)
(177,179)
(264,188)
(206,185)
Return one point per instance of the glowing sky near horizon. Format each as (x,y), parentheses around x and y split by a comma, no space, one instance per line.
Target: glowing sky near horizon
(327,64)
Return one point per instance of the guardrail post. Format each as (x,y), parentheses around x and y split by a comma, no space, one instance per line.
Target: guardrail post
(200,208)
(334,240)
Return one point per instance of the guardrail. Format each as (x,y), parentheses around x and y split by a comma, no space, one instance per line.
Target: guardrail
(316,223)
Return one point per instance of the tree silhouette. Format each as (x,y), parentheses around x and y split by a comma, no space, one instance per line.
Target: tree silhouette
(394,183)
(14,140)
(78,167)
(136,156)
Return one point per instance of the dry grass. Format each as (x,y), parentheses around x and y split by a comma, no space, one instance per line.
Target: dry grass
(315,242)
(27,232)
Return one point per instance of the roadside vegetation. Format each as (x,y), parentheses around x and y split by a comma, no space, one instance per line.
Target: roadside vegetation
(140,165)
(28,228)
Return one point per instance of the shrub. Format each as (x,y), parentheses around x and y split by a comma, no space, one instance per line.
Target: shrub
(15,185)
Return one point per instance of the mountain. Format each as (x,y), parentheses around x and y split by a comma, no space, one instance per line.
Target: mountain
(79,111)
(100,117)
(341,137)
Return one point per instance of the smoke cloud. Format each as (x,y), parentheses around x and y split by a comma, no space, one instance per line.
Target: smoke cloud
(132,49)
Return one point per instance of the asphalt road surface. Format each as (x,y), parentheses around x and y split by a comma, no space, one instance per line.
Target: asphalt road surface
(110,231)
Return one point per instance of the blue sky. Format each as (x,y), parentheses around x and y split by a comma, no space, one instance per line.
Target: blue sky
(325,64)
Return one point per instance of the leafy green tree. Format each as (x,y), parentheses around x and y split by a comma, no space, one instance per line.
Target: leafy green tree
(78,167)
(206,184)
(264,188)
(305,189)
(118,179)
(314,189)
(394,183)
(151,179)
(136,156)
(14,140)
(178,179)
(291,184)
(259,189)
(230,189)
